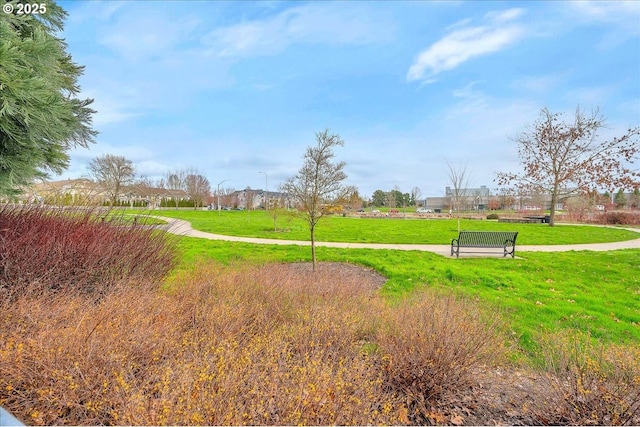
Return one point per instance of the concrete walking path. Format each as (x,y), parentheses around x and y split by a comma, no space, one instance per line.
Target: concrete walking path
(183,228)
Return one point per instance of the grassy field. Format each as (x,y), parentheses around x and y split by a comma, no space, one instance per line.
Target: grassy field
(541,293)
(386,230)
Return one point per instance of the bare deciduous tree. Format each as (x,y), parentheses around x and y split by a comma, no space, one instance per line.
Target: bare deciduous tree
(223,197)
(416,194)
(113,173)
(250,197)
(507,198)
(319,183)
(354,200)
(197,188)
(174,182)
(562,158)
(459,180)
(392,197)
(147,189)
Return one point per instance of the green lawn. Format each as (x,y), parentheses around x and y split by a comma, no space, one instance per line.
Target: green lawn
(385,230)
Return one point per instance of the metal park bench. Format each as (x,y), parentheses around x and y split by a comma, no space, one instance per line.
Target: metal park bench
(485,239)
(544,219)
(519,220)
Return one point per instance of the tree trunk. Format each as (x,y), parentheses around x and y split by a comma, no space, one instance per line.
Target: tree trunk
(313,248)
(552,210)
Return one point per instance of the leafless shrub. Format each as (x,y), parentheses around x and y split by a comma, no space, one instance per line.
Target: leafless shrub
(620,218)
(222,346)
(590,384)
(44,248)
(430,347)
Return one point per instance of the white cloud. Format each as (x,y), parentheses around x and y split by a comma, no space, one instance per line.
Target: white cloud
(109,109)
(246,39)
(504,16)
(470,100)
(611,11)
(143,60)
(539,84)
(623,18)
(467,42)
(138,37)
(322,23)
(151,168)
(135,153)
(589,97)
(101,10)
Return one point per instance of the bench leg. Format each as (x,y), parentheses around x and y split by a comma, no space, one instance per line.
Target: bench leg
(455,250)
(512,252)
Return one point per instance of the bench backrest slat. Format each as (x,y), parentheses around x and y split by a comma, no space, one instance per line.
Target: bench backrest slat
(484,239)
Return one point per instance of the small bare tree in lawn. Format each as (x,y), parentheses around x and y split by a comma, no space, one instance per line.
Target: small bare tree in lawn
(228,198)
(318,184)
(276,209)
(566,157)
(459,180)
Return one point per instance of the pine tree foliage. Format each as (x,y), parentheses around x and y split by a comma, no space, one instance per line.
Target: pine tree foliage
(41,117)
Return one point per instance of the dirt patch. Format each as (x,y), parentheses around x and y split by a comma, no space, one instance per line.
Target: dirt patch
(503,396)
(329,275)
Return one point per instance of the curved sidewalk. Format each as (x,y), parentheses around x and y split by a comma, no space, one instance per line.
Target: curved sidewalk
(183,228)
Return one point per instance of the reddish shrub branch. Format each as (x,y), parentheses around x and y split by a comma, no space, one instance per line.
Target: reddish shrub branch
(43,249)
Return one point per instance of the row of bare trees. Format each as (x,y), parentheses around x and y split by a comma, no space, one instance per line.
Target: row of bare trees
(115,174)
(191,182)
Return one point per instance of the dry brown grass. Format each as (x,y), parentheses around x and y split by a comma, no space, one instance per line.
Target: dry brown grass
(234,345)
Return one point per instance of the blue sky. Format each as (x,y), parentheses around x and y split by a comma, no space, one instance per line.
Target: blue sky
(238,88)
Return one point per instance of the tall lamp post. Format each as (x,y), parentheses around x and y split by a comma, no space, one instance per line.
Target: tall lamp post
(218,193)
(266,190)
